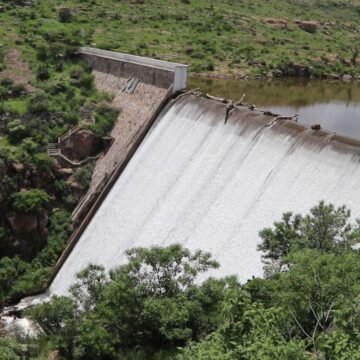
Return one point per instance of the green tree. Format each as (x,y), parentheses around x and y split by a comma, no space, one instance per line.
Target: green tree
(59,319)
(148,300)
(325,228)
(16,130)
(152,303)
(33,200)
(315,288)
(89,286)
(249,331)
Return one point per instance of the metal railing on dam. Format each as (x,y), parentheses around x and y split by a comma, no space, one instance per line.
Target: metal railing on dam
(207,184)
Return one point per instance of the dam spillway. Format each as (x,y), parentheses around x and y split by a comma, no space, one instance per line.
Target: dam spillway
(211,185)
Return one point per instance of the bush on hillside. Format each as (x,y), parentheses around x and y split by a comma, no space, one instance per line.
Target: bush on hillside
(33,200)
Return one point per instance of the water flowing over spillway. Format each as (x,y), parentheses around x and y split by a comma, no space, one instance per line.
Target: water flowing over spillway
(205,184)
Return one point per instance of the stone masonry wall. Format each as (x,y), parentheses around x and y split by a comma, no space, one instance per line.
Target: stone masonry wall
(136,110)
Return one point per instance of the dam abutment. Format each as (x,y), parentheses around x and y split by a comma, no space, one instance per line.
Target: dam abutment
(153,72)
(156,82)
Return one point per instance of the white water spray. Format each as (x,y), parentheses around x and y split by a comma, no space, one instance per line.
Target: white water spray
(213,186)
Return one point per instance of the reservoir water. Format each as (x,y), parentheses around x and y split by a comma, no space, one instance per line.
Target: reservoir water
(334,105)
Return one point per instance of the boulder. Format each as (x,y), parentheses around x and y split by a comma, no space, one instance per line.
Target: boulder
(42,222)
(278,73)
(331,76)
(18,167)
(301,70)
(308,26)
(347,78)
(277,23)
(64,172)
(80,145)
(54,355)
(83,142)
(23,223)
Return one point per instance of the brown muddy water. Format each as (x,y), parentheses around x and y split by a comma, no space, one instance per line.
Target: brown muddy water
(332,104)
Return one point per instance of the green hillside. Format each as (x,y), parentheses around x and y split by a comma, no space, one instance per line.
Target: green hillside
(231,37)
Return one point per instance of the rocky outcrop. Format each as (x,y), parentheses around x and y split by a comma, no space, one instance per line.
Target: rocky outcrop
(347,78)
(301,70)
(18,167)
(64,172)
(331,77)
(39,178)
(277,23)
(23,223)
(54,355)
(82,144)
(308,26)
(26,223)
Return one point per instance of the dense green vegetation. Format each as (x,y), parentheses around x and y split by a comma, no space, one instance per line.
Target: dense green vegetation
(232,37)
(37,105)
(155,307)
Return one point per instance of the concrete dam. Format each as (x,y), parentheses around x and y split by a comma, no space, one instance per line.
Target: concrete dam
(180,171)
(207,184)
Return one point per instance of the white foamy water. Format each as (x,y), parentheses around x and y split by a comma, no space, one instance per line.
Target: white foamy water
(213,186)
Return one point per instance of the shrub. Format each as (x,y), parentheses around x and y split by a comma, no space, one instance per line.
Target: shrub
(17,90)
(87,81)
(76,72)
(16,130)
(6,82)
(38,103)
(65,15)
(105,117)
(43,161)
(84,174)
(33,200)
(29,146)
(43,72)
(10,350)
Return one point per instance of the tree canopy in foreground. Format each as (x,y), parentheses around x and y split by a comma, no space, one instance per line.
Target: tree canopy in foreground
(307,306)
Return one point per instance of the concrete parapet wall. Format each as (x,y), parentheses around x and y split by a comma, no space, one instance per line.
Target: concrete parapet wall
(154,72)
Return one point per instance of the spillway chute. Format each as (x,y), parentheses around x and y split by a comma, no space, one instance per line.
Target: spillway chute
(205,184)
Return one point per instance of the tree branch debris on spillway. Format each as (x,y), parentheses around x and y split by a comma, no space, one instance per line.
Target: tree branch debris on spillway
(279,117)
(231,106)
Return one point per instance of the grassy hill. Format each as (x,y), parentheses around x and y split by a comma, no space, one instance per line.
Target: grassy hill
(229,38)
